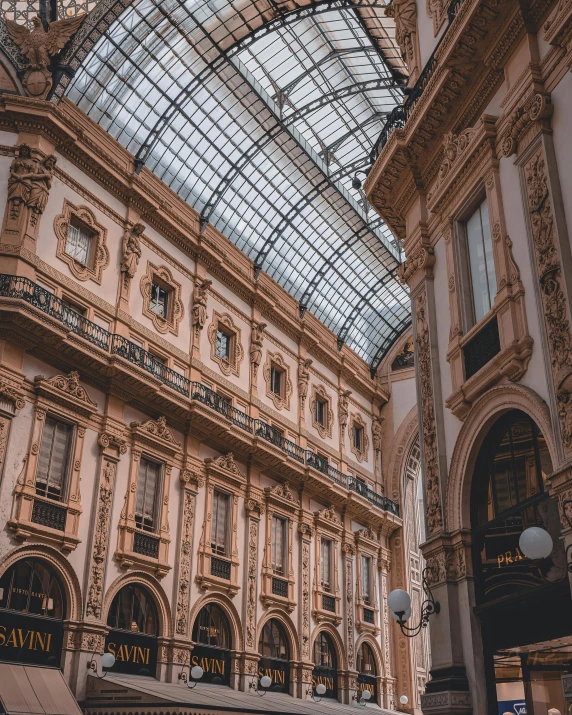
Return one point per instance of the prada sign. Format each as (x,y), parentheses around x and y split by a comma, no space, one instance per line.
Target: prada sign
(278,671)
(328,677)
(214,662)
(367,682)
(134,653)
(30,639)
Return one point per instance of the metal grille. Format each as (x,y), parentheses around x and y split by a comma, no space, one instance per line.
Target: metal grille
(328,603)
(279,587)
(482,348)
(146,545)
(220,568)
(50,515)
(368,615)
(136,355)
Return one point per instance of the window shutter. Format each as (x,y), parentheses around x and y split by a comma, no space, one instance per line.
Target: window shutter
(78,244)
(278,527)
(146,500)
(365,578)
(219,523)
(53,458)
(325,548)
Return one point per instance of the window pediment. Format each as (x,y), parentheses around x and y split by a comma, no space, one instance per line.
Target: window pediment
(156,435)
(225,470)
(65,390)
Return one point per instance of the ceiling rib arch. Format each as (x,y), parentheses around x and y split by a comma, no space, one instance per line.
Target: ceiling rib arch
(210,129)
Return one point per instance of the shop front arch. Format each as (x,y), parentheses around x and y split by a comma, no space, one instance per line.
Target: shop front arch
(134,624)
(325,664)
(524,605)
(32,612)
(212,644)
(274,648)
(366,664)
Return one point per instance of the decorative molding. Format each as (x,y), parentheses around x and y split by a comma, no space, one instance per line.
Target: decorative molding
(305,607)
(555,306)
(10,393)
(455,147)
(251,584)
(533,109)
(404,13)
(185,556)
(281,402)
(357,422)
(225,322)
(432,481)
(319,392)
(350,615)
(175,309)
(99,254)
(422,259)
(437,9)
(158,428)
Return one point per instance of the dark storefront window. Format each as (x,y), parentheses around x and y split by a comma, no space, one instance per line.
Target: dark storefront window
(211,634)
(367,671)
(134,629)
(275,652)
(32,608)
(524,605)
(325,665)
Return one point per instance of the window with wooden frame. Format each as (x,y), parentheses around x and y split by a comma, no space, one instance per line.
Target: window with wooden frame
(326,594)
(225,340)
(47,500)
(282,507)
(277,377)
(162,301)
(482,273)
(367,607)
(143,533)
(218,561)
(359,444)
(321,411)
(81,242)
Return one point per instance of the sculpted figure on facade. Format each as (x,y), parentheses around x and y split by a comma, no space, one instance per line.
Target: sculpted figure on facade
(376,430)
(256,342)
(131,250)
(344,409)
(303,379)
(404,12)
(200,297)
(29,183)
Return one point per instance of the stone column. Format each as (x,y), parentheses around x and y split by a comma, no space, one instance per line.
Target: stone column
(306,667)
(249,665)
(348,597)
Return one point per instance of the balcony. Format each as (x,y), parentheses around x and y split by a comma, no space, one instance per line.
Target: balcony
(20,288)
(146,545)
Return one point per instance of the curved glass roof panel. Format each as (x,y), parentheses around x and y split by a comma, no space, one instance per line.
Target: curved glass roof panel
(259,122)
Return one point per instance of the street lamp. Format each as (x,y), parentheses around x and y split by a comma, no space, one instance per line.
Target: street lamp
(107,662)
(319,690)
(265,683)
(196,674)
(363,698)
(399,602)
(535,543)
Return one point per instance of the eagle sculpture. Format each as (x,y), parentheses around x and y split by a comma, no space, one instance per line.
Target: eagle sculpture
(38,45)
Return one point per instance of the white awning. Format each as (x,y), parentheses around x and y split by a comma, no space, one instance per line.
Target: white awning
(35,690)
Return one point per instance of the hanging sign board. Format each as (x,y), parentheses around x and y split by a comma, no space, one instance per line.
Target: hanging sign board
(30,639)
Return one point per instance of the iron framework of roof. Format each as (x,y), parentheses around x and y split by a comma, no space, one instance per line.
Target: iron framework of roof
(259,117)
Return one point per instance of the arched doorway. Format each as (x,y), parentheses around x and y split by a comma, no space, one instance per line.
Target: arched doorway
(274,648)
(32,609)
(367,671)
(211,634)
(524,605)
(325,664)
(134,630)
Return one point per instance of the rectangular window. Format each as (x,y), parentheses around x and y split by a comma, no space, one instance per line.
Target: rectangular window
(78,243)
(147,495)
(53,459)
(223,345)
(358,438)
(278,545)
(159,302)
(219,524)
(366,579)
(321,412)
(481,261)
(276,380)
(326,564)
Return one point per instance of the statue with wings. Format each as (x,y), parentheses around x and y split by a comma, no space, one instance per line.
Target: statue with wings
(38,46)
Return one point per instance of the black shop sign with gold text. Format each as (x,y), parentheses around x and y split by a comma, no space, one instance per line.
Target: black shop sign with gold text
(134,653)
(214,662)
(278,670)
(327,677)
(30,639)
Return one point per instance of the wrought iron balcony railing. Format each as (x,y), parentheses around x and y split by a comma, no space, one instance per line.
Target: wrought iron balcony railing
(220,568)
(38,297)
(146,545)
(50,515)
(24,289)
(136,355)
(279,587)
(400,114)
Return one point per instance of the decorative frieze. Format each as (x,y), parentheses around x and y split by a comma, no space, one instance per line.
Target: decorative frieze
(251,584)
(185,558)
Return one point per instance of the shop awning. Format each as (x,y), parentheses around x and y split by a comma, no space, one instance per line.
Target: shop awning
(128,694)
(35,690)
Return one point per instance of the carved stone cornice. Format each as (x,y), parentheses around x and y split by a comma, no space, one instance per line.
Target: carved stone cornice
(10,393)
(226,469)
(535,109)
(558,28)
(423,259)
(157,434)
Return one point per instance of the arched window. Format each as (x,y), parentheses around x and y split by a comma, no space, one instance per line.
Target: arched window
(211,627)
(31,586)
(273,642)
(324,652)
(133,610)
(511,467)
(366,660)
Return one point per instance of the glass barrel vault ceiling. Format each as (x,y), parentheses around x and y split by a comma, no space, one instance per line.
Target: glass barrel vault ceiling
(258,116)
